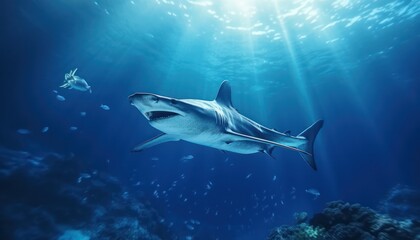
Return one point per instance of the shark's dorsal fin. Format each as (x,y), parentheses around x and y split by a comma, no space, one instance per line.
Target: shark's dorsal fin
(224,94)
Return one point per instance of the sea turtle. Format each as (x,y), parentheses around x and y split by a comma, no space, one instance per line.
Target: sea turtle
(72,81)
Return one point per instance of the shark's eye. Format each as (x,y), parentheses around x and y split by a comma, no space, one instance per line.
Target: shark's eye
(156,99)
(173,101)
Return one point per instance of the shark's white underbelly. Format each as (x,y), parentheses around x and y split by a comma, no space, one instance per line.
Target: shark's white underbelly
(223,143)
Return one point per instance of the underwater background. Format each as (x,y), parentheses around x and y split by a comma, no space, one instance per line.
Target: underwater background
(66,161)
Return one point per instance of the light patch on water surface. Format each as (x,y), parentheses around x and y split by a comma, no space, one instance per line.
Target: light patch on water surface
(201,3)
(353,21)
(254,12)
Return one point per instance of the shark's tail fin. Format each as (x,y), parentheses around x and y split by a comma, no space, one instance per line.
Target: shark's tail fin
(310,134)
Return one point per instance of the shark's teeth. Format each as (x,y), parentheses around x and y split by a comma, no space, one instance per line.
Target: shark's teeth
(158,115)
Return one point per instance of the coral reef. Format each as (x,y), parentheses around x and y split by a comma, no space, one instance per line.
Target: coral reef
(50,197)
(301,231)
(300,217)
(402,202)
(344,221)
(73,235)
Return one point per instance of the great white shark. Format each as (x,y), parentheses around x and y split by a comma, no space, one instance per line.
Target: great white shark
(217,124)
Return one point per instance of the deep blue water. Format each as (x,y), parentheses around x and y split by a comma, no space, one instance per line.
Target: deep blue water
(352,63)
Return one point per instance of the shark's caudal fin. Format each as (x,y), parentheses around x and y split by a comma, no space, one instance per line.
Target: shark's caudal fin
(310,134)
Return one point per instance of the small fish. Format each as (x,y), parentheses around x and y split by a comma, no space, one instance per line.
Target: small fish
(125,195)
(314,192)
(60,98)
(186,158)
(105,107)
(190,227)
(23,131)
(54,91)
(248,176)
(155,159)
(274,178)
(73,128)
(83,176)
(82,114)
(34,162)
(45,129)
(150,35)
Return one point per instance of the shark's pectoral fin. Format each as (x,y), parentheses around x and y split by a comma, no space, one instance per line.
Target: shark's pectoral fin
(241,136)
(155,141)
(269,152)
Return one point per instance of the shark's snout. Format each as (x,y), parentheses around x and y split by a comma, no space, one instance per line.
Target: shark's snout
(131,100)
(143,98)
(154,107)
(133,97)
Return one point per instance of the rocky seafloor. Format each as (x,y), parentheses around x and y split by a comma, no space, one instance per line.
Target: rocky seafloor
(48,197)
(398,220)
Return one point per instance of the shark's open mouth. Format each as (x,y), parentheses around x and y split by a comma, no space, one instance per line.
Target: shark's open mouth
(158,115)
